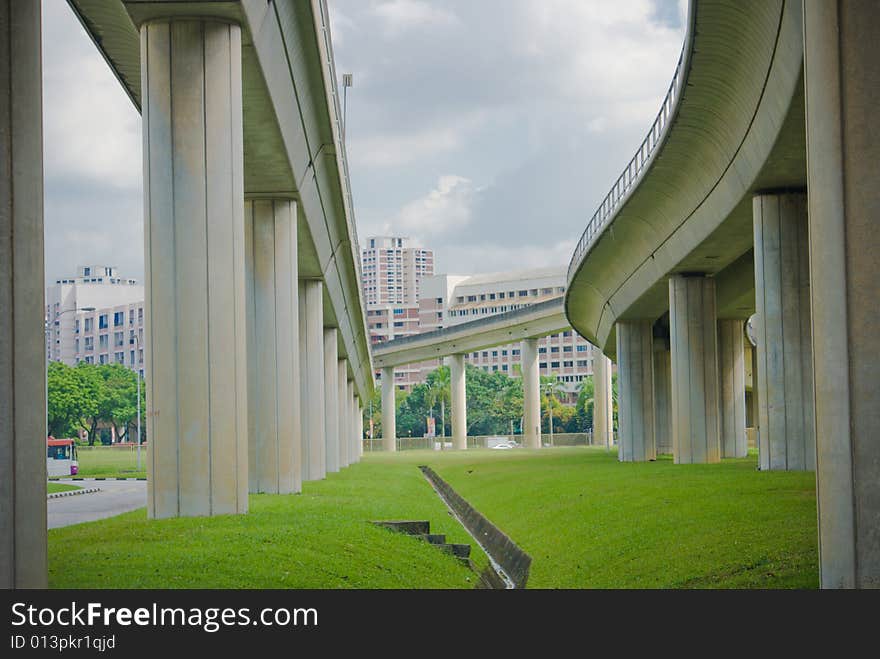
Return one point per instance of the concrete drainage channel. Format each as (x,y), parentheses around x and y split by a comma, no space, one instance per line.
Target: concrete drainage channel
(509,563)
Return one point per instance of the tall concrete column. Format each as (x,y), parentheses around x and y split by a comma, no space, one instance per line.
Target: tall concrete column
(458,392)
(603,403)
(352,425)
(662,396)
(274,435)
(23,561)
(693,338)
(350,402)
(389,419)
(785,364)
(531,377)
(311,355)
(335,439)
(341,391)
(732,389)
(635,386)
(842,80)
(197,412)
(360,434)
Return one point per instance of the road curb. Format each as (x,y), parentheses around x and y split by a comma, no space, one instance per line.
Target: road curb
(70,493)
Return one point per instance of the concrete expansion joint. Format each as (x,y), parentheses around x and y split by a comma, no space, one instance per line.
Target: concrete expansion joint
(71,493)
(186,18)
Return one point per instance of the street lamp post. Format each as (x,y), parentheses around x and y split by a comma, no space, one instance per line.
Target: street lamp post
(137,374)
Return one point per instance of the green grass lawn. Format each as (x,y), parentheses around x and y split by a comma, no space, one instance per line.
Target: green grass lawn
(587,520)
(321,538)
(51,488)
(107,462)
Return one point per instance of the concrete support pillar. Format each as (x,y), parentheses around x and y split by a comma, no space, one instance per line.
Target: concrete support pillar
(389,419)
(458,393)
(842,80)
(732,389)
(694,344)
(352,429)
(360,434)
(197,412)
(785,363)
(22,298)
(274,433)
(603,404)
(531,377)
(662,396)
(335,438)
(341,392)
(350,403)
(635,381)
(311,355)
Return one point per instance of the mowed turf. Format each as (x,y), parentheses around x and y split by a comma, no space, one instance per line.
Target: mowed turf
(107,462)
(321,538)
(589,521)
(52,488)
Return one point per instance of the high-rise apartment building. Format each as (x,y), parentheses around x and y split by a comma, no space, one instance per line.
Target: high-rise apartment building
(393,271)
(99,336)
(450,300)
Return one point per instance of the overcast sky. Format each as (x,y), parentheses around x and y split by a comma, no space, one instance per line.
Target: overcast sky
(488,130)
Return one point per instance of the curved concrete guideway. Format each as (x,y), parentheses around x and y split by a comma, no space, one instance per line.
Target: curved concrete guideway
(768,108)
(453,343)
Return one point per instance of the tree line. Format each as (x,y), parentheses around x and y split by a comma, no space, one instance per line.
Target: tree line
(494,405)
(94,398)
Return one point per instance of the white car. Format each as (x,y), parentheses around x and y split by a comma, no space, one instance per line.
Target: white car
(505,445)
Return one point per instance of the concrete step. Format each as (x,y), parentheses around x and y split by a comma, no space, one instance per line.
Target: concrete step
(457,550)
(410,527)
(433,538)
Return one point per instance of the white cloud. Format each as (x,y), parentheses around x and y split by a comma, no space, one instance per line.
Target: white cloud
(468,258)
(395,148)
(401,15)
(92,130)
(444,210)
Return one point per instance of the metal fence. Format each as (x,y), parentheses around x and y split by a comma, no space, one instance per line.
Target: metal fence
(482,441)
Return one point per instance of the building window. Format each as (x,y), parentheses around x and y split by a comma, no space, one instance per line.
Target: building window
(102,359)
(131,316)
(102,321)
(582,348)
(567,364)
(118,318)
(554,364)
(89,324)
(542,350)
(119,339)
(90,344)
(131,357)
(120,357)
(103,342)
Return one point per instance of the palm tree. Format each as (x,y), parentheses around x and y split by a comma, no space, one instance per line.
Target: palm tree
(550,389)
(439,391)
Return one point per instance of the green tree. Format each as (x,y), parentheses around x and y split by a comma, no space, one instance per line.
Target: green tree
(584,406)
(119,403)
(439,391)
(68,400)
(551,388)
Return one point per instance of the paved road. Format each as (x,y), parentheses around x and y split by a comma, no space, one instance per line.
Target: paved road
(115,497)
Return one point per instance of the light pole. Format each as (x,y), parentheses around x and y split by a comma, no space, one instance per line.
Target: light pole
(347,81)
(137,374)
